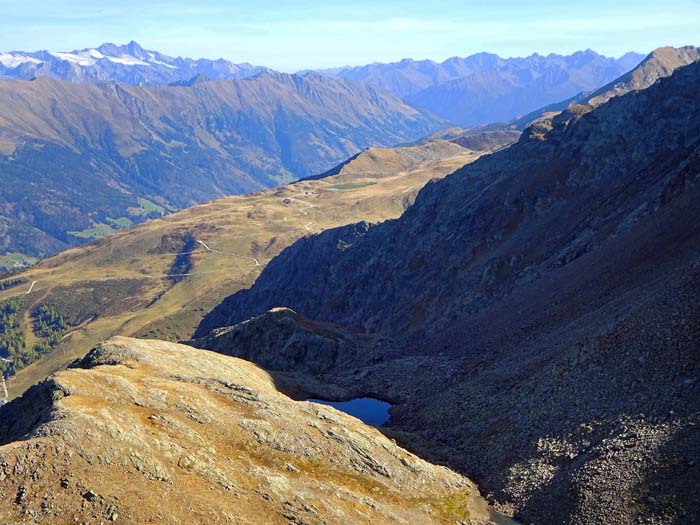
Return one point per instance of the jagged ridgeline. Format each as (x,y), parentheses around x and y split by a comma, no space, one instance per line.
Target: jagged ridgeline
(485,88)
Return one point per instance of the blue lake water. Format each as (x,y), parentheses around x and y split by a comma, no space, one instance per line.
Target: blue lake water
(369,410)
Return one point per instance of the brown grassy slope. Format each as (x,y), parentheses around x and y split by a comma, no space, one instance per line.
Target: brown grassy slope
(119,285)
(154,432)
(218,113)
(176,146)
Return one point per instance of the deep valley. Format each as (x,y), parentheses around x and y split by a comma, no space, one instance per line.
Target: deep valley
(459,292)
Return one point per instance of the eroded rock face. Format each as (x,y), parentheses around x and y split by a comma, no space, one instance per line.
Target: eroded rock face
(153,432)
(545,304)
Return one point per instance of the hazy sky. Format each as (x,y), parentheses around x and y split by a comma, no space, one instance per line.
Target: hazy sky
(296,34)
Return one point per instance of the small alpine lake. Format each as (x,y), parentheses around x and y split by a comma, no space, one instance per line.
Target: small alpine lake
(367,409)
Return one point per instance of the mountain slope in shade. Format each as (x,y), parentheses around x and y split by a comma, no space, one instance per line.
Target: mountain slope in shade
(544,308)
(127,64)
(142,151)
(485,88)
(152,432)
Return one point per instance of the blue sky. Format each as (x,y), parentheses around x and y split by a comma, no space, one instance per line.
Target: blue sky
(296,34)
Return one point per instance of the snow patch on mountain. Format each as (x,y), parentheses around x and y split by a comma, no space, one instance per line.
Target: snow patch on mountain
(80,59)
(127,60)
(10,60)
(129,64)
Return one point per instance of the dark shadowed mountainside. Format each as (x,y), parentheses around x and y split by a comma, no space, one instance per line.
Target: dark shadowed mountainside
(544,308)
(159,278)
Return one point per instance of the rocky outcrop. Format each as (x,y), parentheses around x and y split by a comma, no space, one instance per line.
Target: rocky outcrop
(283,340)
(153,432)
(543,306)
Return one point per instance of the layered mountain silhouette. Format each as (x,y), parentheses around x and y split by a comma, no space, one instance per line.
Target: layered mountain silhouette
(533,317)
(129,64)
(201,129)
(81,159)
(485,88)
(535,314)
(476,90)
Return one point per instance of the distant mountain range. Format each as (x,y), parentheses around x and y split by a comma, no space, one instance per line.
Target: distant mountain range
(486,88)
(129,64)
(479,89)
(80,160)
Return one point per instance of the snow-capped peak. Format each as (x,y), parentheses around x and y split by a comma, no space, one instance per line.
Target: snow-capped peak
(128,63)
(89,57)
(127,60)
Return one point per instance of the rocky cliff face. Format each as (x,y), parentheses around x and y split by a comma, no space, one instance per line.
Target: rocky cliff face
(543,306)
(152,432)
(283,340)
